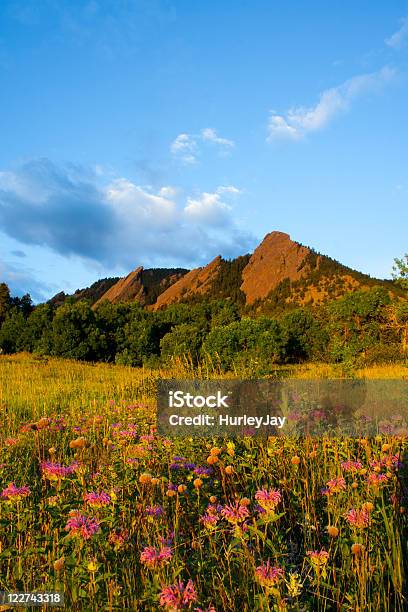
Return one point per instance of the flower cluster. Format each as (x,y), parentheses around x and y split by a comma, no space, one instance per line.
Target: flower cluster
(268,499)
(153,557)
(13,493)
(81,526)
(268,575)
(357,518)
(97,500)
(56,471)
(178,596)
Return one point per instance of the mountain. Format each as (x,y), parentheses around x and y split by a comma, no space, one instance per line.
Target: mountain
(92,293)
(143,286)
(281,273)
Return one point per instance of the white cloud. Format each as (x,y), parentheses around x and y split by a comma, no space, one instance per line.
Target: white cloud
(398,39)
(168,191)
(210,135)
(116,223)
(299,121)
(186,147)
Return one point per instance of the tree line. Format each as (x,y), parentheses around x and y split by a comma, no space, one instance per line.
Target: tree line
(362,327)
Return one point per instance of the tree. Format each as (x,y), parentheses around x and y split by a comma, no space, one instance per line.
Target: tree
(400,271)
(75,334)
(5,301)
(12,332)
(184,339)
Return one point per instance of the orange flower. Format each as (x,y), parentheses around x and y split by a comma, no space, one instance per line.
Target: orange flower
(332,531)
(145,478)
(357,549)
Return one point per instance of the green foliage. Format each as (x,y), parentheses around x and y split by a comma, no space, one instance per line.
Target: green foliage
(400,271)
(5,301)
(183,339)
(361,327)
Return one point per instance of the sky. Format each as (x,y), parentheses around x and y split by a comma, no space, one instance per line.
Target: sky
(163,133)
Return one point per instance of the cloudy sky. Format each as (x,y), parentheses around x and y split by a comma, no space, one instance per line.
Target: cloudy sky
(164,133)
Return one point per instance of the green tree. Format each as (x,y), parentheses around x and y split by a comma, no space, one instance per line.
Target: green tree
(75,333)
(12,332)
(400,271)
(183,339)
(5,301)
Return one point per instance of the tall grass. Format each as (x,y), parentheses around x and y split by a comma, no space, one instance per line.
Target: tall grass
(100,421)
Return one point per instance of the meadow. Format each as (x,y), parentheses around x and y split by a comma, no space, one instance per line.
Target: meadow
(95,504)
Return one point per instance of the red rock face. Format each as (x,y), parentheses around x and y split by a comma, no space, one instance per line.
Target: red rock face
(126,289)
(197,281)
(276,258)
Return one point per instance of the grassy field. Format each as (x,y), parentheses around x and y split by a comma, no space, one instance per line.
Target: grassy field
(94,503)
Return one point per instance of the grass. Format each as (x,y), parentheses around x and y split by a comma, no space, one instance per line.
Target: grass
(192,509)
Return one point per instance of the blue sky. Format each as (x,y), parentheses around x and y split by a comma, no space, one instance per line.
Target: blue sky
(164,133)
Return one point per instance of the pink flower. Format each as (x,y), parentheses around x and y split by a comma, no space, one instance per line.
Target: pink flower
(118,537)
(335,486)
(177,596)
(12,492)
(81,526)
(235,514)
(357,518)
(351,466)
(155,557)
(97,500)
(376,479)
(268,575)
(268,499)
(56,471)
(318,557)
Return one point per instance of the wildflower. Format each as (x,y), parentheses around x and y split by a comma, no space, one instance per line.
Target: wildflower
(357,518)
(294,584)
(182,488)
(268,575)
(235,514)
(335,486)
(198,483)
(215,451)
(13,493)
(357,549)
(81,526)
(153,557)
(318,558)
(155,510)
(332,531)
(118,537)
(59,564)
(97,500)
(10,442)
(92,566)
(295,460)
(78,443)
(268,499)
(178,596)
(211,459)
(209,520)
(56,471)
(229,469)
(202,471)
(374,479)
(351,466)
(145,478)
